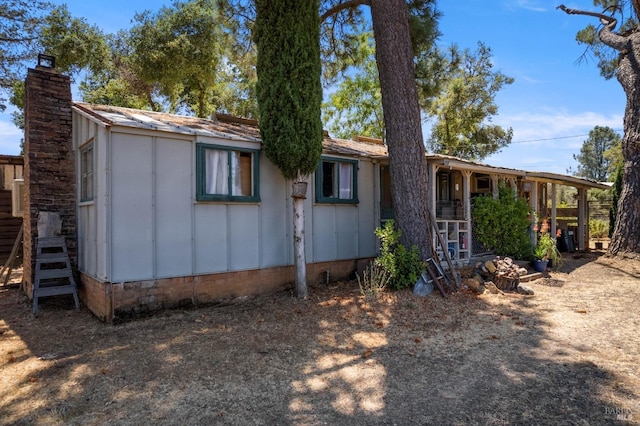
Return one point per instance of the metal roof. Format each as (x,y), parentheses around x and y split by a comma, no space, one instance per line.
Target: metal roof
(244,129)
(221,126)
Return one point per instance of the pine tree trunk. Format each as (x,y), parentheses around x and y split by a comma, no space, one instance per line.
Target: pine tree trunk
(407,160)
(626,234)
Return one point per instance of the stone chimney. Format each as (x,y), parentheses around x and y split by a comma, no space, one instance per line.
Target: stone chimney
(49,160)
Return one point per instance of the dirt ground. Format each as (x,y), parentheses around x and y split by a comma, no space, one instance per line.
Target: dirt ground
(566,355)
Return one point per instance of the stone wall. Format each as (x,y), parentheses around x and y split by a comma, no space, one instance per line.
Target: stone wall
(119,301)
(49,163)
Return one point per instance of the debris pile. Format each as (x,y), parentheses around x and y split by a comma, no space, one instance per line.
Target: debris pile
(496,275)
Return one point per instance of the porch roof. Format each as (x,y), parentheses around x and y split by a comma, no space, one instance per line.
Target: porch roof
(560,179)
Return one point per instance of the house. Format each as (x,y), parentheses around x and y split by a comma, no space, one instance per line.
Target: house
(169,210)
(161,210)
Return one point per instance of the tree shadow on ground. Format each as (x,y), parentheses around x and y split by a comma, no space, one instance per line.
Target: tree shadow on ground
(335,358)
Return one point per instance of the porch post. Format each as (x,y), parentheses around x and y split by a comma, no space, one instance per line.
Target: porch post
(581,216)
(494,184)
(554,223)
(513,185)
(466,202)
(433,169)
(533,202)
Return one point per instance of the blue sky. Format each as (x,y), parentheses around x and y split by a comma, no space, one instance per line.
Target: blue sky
(552,105)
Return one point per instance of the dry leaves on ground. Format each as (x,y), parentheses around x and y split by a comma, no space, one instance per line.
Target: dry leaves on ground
(567,355)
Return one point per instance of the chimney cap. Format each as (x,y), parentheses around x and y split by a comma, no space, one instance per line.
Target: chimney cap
(46,61)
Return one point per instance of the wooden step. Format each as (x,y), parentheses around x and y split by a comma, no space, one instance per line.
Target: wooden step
(530,277)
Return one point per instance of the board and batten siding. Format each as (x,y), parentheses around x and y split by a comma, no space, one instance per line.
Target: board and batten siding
(145,223)
(346,231)
(92,220)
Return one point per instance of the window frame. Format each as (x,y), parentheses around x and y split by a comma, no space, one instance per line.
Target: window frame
(201,167)
(87,177)
(320,198)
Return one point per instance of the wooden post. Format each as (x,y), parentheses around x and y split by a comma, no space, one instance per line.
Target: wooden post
(300,263)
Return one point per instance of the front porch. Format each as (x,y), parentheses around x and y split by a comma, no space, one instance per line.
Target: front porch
(455,183)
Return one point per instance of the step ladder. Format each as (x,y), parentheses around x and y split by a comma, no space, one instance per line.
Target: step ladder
(53,271)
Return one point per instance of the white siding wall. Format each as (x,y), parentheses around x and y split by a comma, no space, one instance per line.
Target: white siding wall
(276,224)
(211,238)
(91,216)
(368,208)
(346,231)
(132,207)
(173,206)
(146,224)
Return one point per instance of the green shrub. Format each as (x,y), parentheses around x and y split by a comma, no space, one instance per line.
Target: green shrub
(403,265)
(546,249)
(503,224)
(598,228)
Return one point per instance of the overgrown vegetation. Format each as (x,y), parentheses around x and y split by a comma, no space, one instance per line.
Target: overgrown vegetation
(403,265)
(546,249)
(374,281)
(502,224)
(598,228)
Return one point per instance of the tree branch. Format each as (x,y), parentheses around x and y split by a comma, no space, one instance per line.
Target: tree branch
(17,40)
(607,36)
(609,21)
(343,6)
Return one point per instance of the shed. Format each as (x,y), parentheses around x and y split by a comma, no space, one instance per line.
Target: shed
(181,210)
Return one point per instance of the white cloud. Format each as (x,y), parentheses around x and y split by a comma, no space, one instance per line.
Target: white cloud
(556,124)
(547,141)
(531,5)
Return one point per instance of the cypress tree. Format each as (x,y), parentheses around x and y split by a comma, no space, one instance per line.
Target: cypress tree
(287,34)
(289,91)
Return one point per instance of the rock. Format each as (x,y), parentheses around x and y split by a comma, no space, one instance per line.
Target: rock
(492,288)
(522,271)
(473,283)
(523,289)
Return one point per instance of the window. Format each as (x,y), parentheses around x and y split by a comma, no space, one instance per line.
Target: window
(336,181)
(225,174)
(86,173)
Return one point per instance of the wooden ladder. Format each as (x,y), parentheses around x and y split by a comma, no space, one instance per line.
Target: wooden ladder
(53,271)
(434,266)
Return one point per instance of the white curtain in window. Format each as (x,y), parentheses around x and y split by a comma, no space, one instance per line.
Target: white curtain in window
(346,180)
(236,174)
(217,172)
